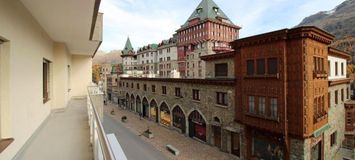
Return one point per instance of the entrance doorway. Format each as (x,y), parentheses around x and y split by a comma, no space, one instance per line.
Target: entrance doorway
(145,108)
(217,136)
(197,126)
(179,119)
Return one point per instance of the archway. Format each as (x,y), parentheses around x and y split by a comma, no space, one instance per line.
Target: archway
(132,103)
(197,126)
(217,132)
(179,119)
(138,105)
(127,101)
(165,118)
(145,107)
(153,110)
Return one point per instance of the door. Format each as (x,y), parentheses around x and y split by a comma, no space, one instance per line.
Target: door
(191,129)
(217,136)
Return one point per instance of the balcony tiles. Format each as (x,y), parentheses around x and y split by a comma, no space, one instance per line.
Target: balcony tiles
(64,136)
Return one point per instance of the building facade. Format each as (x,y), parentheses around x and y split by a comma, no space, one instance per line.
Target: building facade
(167,59)
(42,66)
(202,109)
(129,58)
(207,31)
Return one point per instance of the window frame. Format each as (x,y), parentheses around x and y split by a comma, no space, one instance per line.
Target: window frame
(46,80)
(163,90)
(251,104)
(196,95)
(221,69)
(260,66)
(274,108)
(221,98)
(250,71)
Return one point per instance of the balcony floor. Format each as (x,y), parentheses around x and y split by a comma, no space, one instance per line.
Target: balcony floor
(64,136)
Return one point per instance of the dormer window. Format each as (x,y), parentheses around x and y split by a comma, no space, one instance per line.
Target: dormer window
(199,10)
(216,9)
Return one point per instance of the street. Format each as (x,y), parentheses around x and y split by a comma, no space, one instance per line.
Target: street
(134,147)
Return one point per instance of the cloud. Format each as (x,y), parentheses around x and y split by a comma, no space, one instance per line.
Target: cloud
(150,21)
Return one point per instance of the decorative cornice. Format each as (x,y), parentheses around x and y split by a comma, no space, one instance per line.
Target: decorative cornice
(218,56)
(285,34)
(338,53)
(338,82)
(220,82)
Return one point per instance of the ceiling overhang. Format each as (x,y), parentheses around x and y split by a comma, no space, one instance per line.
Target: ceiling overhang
(73,22)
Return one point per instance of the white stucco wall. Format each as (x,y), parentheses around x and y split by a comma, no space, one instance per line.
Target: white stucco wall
(21,75)
(28,45)
(332,60)
(81,75)
(61,78)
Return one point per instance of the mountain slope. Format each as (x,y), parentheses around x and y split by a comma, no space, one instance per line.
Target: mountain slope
(340,22)
(113,57)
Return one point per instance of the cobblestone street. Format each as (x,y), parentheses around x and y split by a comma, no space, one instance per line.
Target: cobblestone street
(190,149)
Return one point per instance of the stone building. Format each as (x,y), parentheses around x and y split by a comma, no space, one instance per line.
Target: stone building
(207,31)
(112,80)
(338,95)
(202,109)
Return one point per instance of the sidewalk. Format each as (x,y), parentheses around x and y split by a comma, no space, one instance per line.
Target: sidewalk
(189,149)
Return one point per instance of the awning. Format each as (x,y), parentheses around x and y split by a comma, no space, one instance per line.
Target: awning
(319,132)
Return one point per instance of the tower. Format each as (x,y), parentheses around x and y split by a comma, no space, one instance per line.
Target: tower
(128,58)
(207,31)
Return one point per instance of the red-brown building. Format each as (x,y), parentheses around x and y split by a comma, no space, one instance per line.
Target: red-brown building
(282,92)
(207,31)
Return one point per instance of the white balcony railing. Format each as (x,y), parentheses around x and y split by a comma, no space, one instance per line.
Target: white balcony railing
(101,146)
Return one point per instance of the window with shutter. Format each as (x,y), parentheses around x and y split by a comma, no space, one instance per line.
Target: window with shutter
(221,70)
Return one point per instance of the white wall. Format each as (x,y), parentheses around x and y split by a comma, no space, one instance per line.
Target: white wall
(62,59)
(81,75)
(21,75)
(332,61)
(28,45)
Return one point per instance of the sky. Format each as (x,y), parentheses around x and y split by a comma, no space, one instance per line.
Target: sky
(151,21)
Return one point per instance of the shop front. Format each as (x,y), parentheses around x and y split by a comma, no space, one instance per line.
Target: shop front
(197,126)
(267,146)
(153,110)
(165,114)
(179,119)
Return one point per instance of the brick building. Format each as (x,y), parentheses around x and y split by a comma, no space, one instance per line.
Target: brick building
(207,31)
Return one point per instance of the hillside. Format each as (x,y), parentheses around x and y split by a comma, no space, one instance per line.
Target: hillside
(112,57)
(340,22)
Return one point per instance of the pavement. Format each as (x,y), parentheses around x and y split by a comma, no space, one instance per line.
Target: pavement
(64,135)
(136,146)
(133,146)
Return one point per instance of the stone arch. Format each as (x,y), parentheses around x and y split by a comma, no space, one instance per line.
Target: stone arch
(132,102)
(145,107)
(164,113)
(127,102)
(179,118)
(197,125)
(138,104)
(153,110)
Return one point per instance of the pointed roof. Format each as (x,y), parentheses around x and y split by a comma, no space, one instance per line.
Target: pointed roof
(207,9)
(128,47)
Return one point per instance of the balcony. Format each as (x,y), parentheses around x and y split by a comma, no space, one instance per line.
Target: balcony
(75,133)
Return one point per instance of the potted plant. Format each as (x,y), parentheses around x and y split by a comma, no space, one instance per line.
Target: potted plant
(124,119)
(147,133)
